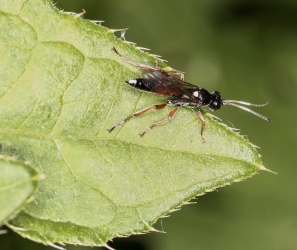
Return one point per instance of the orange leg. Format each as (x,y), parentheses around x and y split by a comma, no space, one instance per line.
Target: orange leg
(179,73)
(171,114)
(139,65)
(140,112)
(147,67)
(201,118)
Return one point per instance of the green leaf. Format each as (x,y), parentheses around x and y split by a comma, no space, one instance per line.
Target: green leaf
(18,183)
(61,88)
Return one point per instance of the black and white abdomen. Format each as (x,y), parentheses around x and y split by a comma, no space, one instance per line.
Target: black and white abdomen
(139,84)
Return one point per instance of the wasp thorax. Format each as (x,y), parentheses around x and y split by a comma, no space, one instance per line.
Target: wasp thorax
(203,96)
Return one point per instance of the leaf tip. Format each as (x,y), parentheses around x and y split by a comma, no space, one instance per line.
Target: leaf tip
(266,169)
(131,43)
(78,15)
(108,247)
(152,229)
(97,21)
(55,246)
(115,30)
(15,228)
(189,202)
(142,48)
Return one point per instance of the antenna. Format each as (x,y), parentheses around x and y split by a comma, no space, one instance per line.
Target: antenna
(235,104)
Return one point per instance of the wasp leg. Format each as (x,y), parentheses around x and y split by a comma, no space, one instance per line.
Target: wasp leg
(158,65)
(201,118)
(147,67)
(139,65)
(172,73)
(140,112)
(178,73)
(171,114)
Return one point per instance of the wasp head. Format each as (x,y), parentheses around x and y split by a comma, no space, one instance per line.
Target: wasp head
(215,102)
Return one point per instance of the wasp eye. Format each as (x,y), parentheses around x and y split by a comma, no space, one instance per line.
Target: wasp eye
(213,106)
(217,105)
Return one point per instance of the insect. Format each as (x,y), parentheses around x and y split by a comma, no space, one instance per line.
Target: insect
(182,93)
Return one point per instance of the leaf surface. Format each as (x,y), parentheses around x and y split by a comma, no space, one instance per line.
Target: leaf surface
(61,88)
(18,183)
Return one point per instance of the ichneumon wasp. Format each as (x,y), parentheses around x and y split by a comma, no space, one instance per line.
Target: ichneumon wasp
(182,93)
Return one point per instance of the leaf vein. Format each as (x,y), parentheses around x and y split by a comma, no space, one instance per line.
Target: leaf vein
(21,75)
(79,179)
(26,119)
(111,106)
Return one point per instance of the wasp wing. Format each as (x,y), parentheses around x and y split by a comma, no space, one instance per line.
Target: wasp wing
(163,84)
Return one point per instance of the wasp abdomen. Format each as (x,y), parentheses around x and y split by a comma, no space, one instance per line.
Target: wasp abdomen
(139,84)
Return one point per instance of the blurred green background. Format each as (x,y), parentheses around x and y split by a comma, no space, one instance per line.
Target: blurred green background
(247,50)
